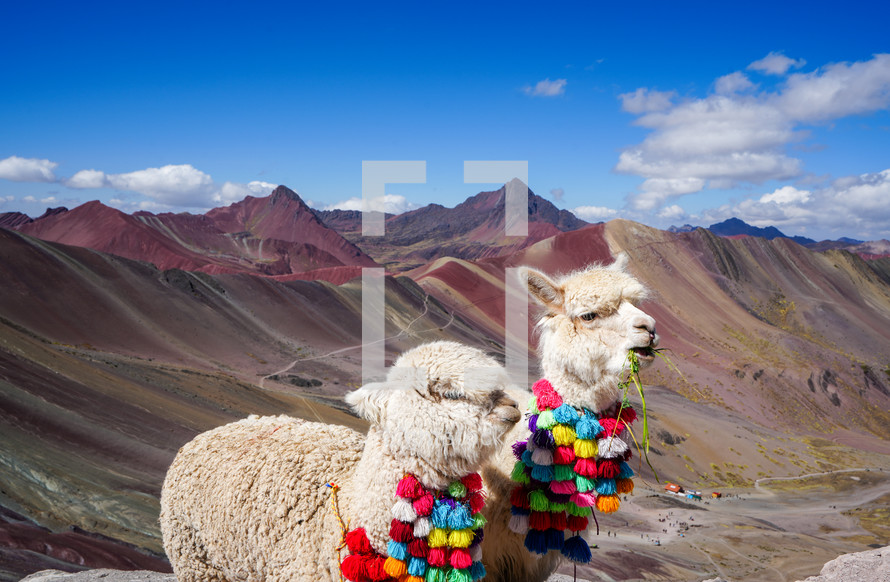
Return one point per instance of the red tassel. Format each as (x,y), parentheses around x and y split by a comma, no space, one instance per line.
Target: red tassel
(477,502)
(608,469)
(547,396)
(539,520)
(576,523)
(563,455)
(473,482)
(585,467)
(375,569)
(423,506)
(419,548)
(558,520)
(460,558)
(611,426)
(519,498)
(354,568)
(357,541)
(409,487)
(401,532)
(628,414)
(438,557)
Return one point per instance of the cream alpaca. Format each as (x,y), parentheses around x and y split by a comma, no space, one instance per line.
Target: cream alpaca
(248,501)
(589,324)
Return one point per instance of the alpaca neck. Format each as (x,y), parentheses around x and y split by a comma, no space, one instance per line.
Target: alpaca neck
(370,494)
(594,391)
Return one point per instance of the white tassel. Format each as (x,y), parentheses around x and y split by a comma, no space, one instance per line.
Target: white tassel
(519,524)
(611,447)
(542,457)
(422,527)
(404,511)
(476,553)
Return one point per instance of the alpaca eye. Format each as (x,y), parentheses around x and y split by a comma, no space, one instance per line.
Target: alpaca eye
(451,395)
(589,316)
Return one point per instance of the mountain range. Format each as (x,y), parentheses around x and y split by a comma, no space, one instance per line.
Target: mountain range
(123,336)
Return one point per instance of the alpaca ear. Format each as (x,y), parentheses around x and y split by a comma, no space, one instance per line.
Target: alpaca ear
(369,401)
(620,263)
(542,288)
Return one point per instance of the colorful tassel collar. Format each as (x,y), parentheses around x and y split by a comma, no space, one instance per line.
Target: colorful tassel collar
(435,536)
(573,462)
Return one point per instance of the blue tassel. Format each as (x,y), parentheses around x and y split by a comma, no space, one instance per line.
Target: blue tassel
(624,471)
(566,414)
(459,518)
(397,550)
(416,567)
(605,486)
(439,517)
(527,458)
(536,542)
(543,473)
(576,549)
(555,538)
(587,427)
(519,511)
(477,571)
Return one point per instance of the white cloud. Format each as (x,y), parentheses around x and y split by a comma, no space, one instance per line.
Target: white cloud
(787,195)
(673,212)
(390,203)
(644,100)
(231,192)
(733,83)
(735,136)
(19,169)
(176,185)
(547,88)
(776,64)
(594,213)
(87,179)
(557,193)
(836,91)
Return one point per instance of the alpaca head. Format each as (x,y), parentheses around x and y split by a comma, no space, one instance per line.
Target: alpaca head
(442,410)
(590,323)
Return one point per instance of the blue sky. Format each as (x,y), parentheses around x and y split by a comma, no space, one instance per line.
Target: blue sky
(666,114)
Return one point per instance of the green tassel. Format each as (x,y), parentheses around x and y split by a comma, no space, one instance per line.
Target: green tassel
(584,484)
(563,472)
(573,509)
(457,490)
(546,420)
(519,475)
(537,501)
(533,405)
(462,575)
(479,521)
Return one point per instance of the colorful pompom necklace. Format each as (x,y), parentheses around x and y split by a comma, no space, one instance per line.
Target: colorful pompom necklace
(574,461)
(435,536)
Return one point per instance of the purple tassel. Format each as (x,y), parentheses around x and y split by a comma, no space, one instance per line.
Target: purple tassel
(544,438)
(519,448)
(533,423)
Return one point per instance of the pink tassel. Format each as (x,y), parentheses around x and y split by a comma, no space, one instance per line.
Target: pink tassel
(563,487)
(586,499)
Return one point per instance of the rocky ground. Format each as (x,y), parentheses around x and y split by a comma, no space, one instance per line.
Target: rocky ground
(870,566)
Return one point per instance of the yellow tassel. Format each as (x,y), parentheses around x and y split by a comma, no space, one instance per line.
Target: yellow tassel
(585,448)
(410,579)
(395,568)
(563,435)
(438,538)
(607,503)
(624,485)
(460,538)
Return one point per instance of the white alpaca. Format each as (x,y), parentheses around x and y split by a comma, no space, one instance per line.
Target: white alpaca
(589,324)
(249,501)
